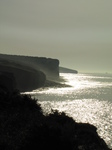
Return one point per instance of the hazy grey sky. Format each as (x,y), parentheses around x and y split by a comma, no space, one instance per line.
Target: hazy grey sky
(77,32)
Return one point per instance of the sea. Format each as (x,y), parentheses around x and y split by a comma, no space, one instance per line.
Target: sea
(87,99)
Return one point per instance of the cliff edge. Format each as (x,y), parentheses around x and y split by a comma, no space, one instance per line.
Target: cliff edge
(29,72)
(49,66)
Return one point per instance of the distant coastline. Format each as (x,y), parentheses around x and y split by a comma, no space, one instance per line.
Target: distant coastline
(67,70)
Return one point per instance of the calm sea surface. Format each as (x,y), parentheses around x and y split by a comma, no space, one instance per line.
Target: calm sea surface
(89,99)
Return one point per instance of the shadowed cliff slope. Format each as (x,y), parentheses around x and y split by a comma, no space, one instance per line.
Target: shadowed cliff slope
(25,78)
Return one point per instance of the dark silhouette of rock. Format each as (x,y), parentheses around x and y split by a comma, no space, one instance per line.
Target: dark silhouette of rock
(26,78)
(24,127)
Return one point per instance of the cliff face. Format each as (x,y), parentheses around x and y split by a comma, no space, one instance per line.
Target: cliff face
(25,78)
(29,72)
(7,82)
(50,67)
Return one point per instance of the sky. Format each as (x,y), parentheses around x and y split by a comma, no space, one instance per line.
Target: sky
(77,32)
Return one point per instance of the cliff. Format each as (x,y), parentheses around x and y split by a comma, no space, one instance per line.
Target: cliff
(7,82)
(49,66)
(23,78)
(67,70)
(29,72)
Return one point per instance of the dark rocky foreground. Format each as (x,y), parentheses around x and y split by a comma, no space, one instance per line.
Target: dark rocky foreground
(24,127)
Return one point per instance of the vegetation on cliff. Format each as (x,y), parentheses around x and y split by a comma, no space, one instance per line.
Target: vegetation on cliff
(24,126)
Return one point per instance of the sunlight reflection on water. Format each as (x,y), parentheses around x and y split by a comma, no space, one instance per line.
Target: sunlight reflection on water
(88,100)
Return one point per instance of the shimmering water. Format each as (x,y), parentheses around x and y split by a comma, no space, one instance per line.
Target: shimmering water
(88,100)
